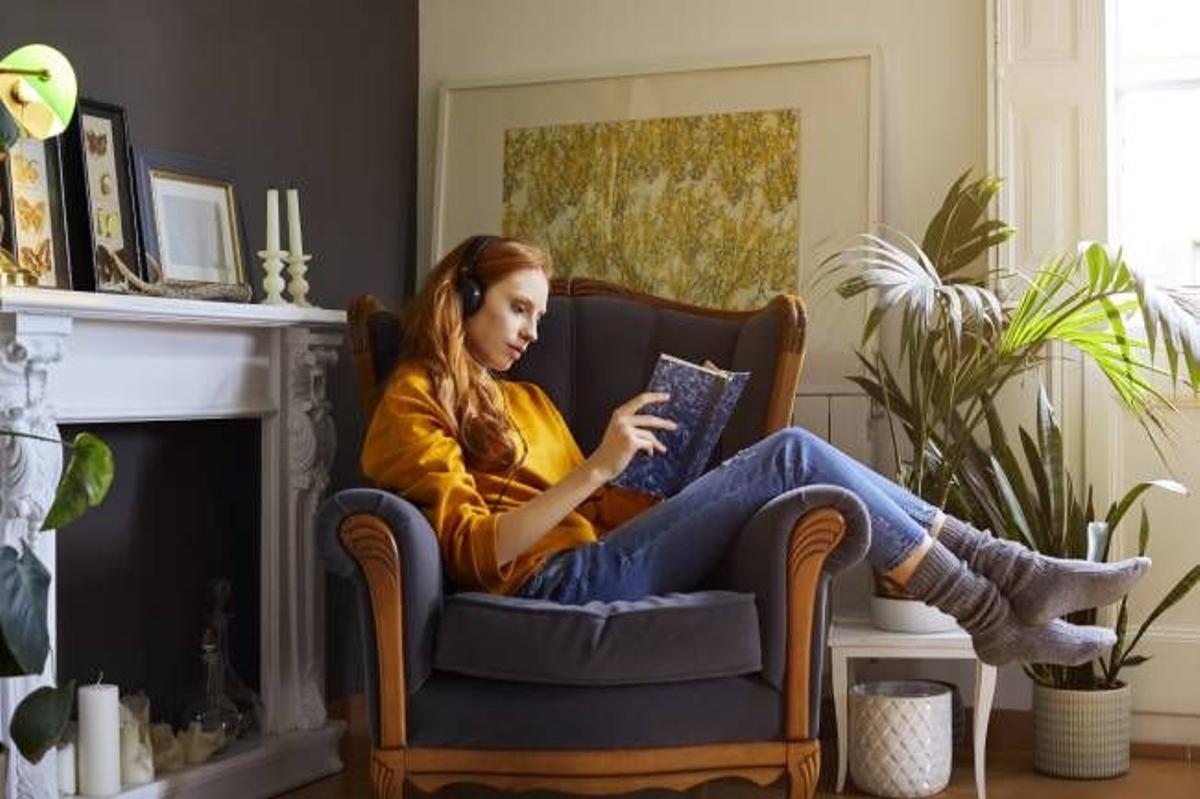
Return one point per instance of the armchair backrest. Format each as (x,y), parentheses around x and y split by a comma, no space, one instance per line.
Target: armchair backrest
(598,343)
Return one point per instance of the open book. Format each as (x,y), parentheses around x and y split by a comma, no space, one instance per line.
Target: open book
(702,400)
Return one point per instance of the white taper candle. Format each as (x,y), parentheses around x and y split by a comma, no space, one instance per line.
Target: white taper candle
(295,242)
(273,220)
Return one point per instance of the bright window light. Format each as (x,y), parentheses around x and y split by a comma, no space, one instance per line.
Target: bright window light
(1157,75)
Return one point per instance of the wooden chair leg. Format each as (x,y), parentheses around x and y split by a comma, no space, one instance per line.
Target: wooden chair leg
(803,768)
(387,776)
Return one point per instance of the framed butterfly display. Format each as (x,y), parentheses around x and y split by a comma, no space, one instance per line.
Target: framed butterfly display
(33,224)
(101,209)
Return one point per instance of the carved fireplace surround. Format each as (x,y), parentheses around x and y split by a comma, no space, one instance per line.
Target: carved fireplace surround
(89,358)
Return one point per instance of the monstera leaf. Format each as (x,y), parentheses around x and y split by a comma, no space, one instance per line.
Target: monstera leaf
(24,588)
(41,718)
(84,483)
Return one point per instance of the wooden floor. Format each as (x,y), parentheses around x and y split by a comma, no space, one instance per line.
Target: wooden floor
(1010,776)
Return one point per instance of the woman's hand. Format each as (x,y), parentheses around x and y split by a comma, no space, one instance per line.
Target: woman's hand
(628,432)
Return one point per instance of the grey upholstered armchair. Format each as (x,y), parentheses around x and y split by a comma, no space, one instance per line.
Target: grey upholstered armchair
(608,697)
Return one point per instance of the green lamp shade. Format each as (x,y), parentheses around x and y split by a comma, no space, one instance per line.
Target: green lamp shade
(41,106)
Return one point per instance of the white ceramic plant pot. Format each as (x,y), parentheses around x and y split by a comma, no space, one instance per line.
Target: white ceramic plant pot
(909,616)
(900,734)
(1081,734)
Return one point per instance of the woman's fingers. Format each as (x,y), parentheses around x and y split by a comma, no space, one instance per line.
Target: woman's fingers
(646,420)
(645,398)
(648,442)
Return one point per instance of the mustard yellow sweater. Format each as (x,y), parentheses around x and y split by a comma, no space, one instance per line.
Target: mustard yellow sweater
(409,449)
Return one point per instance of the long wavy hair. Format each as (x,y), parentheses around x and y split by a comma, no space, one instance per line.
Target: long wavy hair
(434,333)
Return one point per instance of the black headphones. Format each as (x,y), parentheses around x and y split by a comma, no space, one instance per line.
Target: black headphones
(470,287)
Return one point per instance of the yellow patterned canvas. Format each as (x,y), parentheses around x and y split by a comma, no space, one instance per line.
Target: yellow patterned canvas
(701,209)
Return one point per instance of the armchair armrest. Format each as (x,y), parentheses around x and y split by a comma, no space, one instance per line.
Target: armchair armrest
(388,549)
(785,556)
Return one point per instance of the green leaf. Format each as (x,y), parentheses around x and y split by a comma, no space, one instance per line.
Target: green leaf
(1178,592)
(40,720)
(24,589)
(1134,660)
(1119,508)
(84,483)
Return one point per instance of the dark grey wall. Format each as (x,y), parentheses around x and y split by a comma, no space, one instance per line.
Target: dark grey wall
(317,95)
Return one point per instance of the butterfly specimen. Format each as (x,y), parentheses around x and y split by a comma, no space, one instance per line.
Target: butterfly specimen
(25,170)
(108,224)
(31,215)
(36,260)
(97,143)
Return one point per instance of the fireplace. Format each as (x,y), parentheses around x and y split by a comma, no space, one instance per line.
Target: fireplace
(247,384)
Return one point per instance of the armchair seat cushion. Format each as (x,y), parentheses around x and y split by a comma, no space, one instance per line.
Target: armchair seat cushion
(669,638)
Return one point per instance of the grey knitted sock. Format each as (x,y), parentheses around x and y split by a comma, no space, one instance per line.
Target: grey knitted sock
(1040,587)
(944,581)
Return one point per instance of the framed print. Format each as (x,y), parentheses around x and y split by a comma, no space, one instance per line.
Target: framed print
(100,202)
(33,223)
(190,221)
(719,186)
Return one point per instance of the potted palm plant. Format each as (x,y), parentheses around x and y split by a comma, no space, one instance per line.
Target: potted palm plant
(960,344)
(1082,713)
(40,718)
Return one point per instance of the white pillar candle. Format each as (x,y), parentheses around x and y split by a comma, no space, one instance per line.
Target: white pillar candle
(295,243)
(99,740)
(66,769)
(272,220)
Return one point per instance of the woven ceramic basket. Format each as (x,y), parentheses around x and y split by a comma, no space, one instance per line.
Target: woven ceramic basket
(1081,734)
(900,735)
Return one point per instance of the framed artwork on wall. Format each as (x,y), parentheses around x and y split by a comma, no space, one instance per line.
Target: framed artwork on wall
(33,223)
(716,185)
(191,225)
(100,201)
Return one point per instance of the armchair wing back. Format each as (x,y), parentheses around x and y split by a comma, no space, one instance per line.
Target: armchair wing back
(598,343)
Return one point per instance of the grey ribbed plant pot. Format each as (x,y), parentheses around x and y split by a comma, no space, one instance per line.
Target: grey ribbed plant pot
(1081,734)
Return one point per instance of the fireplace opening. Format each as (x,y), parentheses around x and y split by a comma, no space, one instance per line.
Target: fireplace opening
(132,575)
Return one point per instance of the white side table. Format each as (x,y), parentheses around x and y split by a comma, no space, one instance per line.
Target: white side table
(853,638)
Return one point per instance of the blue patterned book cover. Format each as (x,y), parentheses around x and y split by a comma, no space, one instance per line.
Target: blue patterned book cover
(702,400)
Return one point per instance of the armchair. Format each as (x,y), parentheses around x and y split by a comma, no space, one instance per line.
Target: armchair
(433,726)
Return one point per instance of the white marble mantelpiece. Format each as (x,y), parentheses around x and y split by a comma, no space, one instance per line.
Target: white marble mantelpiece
(90,358)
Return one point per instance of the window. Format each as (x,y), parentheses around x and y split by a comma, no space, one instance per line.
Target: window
(1157,124)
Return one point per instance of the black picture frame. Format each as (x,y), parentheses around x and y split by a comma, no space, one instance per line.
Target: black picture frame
(215,184)
(33,220)
(101,206)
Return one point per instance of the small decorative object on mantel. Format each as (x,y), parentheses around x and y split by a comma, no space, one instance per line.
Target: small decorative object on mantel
(168,751)
(170,288)
(137,751)
(33,221)
(98,193)
(99,740)
(191,225)
(66,763)
(272,256)
(297,259)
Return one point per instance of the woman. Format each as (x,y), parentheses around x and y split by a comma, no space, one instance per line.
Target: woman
(519,510)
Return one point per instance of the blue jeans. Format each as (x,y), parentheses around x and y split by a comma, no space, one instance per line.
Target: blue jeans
(674,545)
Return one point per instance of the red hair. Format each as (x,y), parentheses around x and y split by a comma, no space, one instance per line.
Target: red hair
(434,333)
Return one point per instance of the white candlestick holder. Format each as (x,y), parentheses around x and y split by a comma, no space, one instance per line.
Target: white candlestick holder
(272,264)
(298,286)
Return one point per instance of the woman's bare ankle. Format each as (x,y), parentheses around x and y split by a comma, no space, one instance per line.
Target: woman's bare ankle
(902,571)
